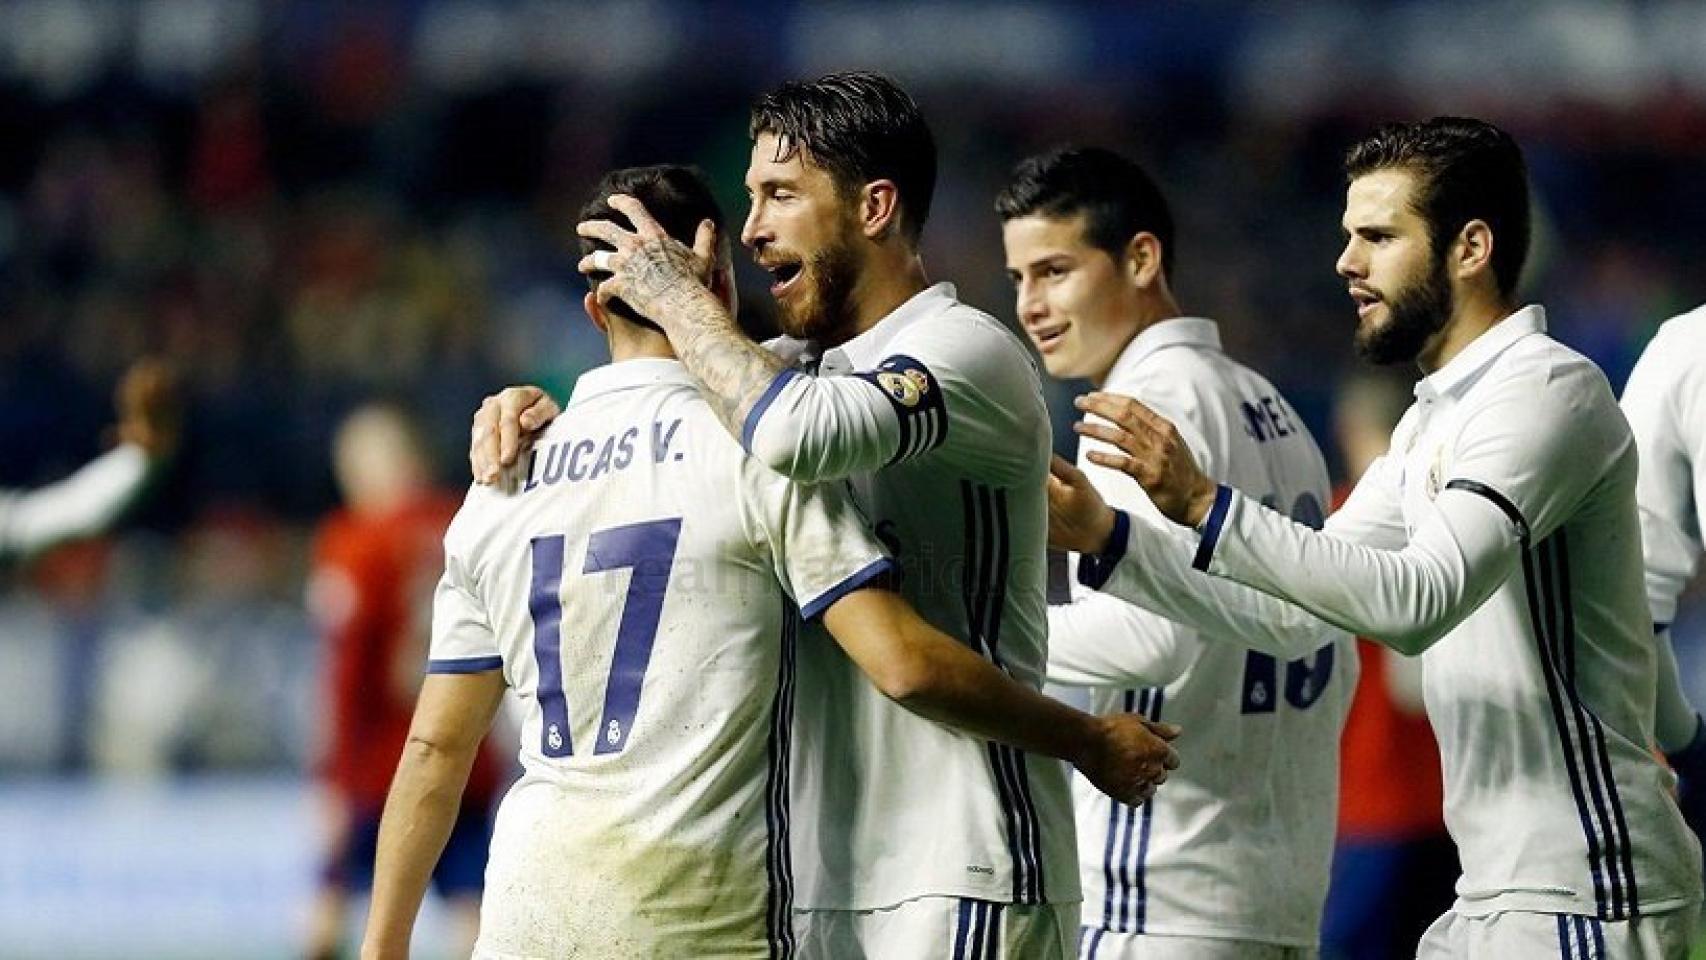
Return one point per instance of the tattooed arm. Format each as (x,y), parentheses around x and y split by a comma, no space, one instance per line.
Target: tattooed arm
(664,280)
(807,428)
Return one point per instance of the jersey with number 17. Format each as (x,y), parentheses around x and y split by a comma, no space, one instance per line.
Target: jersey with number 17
(637,584)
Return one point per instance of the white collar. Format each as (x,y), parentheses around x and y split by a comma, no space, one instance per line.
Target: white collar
(868,347)
(627,374)
(1158,336)
(1484,349)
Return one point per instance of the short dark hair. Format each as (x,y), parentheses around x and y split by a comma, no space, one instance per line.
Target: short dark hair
(1465,170)
(858,127)
(1117,198)
(677,197)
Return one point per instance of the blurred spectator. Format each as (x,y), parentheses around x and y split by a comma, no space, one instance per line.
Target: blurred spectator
(375,565)
(1395,864)
(93,498)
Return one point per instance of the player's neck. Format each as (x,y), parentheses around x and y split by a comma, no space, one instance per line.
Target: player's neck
(1472,317)
(640,345)
(886,282)
(1147,310)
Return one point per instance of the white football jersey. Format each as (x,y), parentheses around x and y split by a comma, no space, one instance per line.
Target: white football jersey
(1500,535)
(936,419)
(1665,401)
(636,581)
(1239,842)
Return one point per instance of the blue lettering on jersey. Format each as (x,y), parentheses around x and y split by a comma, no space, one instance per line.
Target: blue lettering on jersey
(661,440)
(532,463)
(589,459)
(625,448)
(577,472)
(555,459)
(602,467)
(1267,418)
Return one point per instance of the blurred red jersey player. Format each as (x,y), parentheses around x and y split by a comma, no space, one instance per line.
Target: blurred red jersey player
(375,564)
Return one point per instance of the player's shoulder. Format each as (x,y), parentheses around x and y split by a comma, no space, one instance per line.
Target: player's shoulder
(1689,327)
(1546,370)
(967,345)
(1677,349)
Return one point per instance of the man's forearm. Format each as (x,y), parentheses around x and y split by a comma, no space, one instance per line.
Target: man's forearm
(733,371)
(1404,599)
(955,686)
(419,813)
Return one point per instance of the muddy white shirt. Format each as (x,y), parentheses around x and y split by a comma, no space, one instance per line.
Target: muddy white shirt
(1500,536)
(1239,842)
(636,583)
(935,418)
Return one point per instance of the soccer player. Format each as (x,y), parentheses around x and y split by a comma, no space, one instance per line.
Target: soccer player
(370,590)
(1665,401)
(932,412)
(97,495)
(1231,860)
(634,583)
(1499,540)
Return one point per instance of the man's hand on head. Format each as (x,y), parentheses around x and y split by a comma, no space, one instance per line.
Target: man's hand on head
(650,271)
(505,427)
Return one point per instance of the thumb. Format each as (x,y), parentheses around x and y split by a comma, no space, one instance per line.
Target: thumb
(1166,731)
(705,242)
(1063,470)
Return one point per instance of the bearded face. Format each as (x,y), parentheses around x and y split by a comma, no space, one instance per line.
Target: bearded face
(1414,312)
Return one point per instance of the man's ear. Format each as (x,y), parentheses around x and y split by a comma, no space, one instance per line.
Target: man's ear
(1143,259)
(595,313)
(1472,251)
(723,281)
(879,208)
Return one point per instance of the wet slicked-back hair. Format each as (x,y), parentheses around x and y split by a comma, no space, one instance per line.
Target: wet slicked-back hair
(1465,170)
(1117,198)
(677,197)
(858,127)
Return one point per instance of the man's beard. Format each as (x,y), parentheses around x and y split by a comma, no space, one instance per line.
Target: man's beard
(827,308)
(1415,313)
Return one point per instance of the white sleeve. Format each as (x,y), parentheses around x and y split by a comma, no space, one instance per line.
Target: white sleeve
(1665,412)
(1373,514)
(1149,564)
(1406,599)
(1521,464)
(813,429)
(820,545)
(1675,721)
(1098,640)
(81,505)
(462,637)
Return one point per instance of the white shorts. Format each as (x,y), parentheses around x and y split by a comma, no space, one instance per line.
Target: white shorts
(1095,943)
(1519,934)
(939,928)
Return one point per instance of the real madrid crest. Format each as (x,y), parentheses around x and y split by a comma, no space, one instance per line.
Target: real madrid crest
(906,388)
(1436,474)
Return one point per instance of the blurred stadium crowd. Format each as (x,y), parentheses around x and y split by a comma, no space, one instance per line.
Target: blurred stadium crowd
(307,205)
